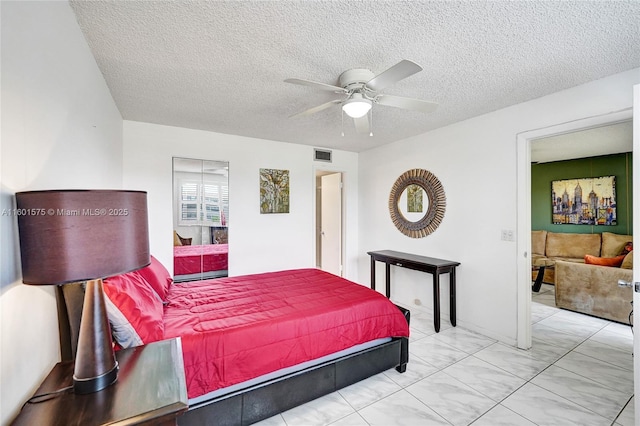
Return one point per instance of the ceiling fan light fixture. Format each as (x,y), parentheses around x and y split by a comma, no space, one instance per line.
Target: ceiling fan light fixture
(357,106)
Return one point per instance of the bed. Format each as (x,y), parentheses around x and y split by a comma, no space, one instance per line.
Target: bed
(254,345)
(200,261)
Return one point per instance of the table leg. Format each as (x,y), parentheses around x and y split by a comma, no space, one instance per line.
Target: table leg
(373,273)
(452,296)
(436,302)
(538,283)
(388,277)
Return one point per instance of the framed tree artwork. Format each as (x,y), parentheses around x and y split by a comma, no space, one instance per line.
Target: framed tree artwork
(274,191)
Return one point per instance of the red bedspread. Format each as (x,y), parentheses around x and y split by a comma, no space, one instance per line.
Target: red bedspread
(202,258)
(237,328)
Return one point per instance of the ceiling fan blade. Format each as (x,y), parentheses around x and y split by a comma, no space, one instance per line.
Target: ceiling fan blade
(399,71)
(406,103)
(316,108)
(362,124)
(321,86)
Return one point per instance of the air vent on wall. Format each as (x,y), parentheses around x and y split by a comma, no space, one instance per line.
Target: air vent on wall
(321,155)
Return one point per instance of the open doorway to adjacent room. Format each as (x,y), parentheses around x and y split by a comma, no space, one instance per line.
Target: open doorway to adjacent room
(546,145)
(329,221)
(596,151)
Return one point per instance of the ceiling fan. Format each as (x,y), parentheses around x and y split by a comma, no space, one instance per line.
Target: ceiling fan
(360,89)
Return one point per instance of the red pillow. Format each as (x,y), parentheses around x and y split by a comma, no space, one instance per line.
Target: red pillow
(604,261)
(158,277)
(134,309)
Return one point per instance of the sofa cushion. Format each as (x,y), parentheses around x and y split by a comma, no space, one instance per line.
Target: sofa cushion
(613,244)
(538,242)
(627,263)
(604,261)
(560,244)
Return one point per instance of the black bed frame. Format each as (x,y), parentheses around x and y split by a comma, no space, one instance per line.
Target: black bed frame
(263,400)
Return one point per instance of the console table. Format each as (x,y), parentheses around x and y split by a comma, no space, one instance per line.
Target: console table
(430,265)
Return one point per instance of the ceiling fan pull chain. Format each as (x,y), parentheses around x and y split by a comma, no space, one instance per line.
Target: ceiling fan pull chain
(342,115)
(371,122)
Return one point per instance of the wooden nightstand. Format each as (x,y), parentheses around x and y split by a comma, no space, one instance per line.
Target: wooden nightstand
(151,389)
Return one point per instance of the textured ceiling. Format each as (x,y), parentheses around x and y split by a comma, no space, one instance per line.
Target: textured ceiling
(220,65)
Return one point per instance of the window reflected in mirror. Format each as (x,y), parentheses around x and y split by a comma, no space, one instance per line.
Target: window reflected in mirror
(200,219)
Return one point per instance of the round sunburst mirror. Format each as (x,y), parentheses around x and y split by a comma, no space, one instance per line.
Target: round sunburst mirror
(417,203)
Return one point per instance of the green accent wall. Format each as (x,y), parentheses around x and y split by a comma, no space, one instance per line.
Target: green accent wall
(618,165)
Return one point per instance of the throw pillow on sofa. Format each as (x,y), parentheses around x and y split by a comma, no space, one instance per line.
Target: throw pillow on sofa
(604,261)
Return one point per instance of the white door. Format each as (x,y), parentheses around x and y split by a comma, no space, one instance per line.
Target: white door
(331,223)
(636,257)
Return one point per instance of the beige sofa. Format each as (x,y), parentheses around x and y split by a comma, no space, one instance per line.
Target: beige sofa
(586,288)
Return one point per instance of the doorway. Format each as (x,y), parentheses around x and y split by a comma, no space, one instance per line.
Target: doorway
(329,222)
(524,148)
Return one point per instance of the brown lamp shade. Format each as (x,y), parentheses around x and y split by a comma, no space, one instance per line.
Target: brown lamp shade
(78,235)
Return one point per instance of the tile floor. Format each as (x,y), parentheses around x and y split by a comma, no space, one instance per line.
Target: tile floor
(579,372)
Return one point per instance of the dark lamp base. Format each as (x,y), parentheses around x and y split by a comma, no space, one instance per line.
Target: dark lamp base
(94,384)
(95,365)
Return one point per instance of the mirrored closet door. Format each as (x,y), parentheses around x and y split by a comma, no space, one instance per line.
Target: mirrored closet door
(200,219)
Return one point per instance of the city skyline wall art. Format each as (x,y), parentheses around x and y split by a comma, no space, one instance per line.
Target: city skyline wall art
(585,201)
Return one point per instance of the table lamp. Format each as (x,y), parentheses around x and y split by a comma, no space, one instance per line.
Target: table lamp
(71,236)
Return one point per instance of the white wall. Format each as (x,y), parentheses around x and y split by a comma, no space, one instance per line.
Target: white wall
(257,242)
(475,160)
(60,129)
